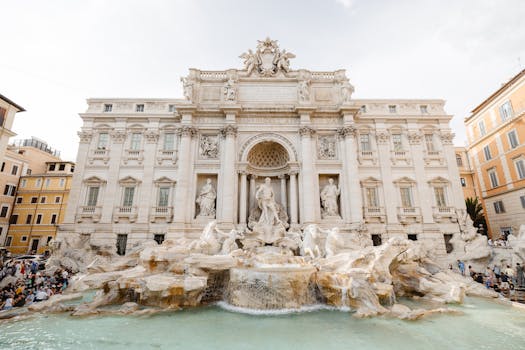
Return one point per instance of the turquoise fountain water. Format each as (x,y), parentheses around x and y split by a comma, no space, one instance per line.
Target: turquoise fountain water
(484,325)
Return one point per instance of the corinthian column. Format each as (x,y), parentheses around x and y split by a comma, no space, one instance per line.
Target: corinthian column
(352,194)
(182,192)
(228,174)
(293,198)
(243,200)
(309,197)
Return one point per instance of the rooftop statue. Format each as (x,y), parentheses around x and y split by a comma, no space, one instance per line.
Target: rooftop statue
(268,59)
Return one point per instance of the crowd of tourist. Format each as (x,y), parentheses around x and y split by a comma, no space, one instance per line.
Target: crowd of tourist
(500,278)
(27,284)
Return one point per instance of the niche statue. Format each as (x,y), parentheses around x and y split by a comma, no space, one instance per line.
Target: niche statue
(206,200)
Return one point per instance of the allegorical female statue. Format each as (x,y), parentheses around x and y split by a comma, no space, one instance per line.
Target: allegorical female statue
(206,199)
(329,196)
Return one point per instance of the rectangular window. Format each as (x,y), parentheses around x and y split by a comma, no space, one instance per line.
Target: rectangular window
(3,167)
(34,200)
(135,141)
(406,197)
(522,200)
(14,170)
(371,197)
(429,142)
(48,181)
(29,218)
(423,109)
(103,140)
(38,219)
(520,168)
(169,142)
(28,172)
(23,239)
(412,237)
(363,109)
(23,183)
(57,199)
(439,193)
(8,241)
(365,142)
(42,200)
(498,207)
(482,130)
(396,140)
(108,107)
(54,218)
(19,200)
(463,182)
(92,197)
(62,167)
(62,182)
(392,108)
(493,177)
(13,219)
(128,196)
(505,111)
(139,108)
(3,211)
(52,167)
(38,182)
(9,190)
(164,193)
(459,160)
(513,139)
(486,151)
(171,108)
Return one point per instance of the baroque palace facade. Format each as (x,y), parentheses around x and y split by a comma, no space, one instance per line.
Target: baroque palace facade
(162,168)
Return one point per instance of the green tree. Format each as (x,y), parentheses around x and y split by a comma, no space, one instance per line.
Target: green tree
(475,211)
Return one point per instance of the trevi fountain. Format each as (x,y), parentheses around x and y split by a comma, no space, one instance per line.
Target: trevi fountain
(290,263)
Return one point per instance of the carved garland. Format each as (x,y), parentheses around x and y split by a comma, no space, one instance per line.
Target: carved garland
(382,137)
(447,138)
(414,138)
(118,136)
(151,136)
(85,136)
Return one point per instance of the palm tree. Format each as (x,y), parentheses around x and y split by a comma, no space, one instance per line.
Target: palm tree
(475,211)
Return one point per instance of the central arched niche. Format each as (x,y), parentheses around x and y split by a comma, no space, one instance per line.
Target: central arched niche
(268,155)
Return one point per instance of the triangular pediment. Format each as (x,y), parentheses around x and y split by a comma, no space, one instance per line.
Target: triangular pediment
(164,180)
(129,180)
(405,180)
(94,180)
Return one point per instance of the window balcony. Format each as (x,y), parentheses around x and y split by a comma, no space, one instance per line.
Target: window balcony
(444,214)
(169,156)
(99,155)
(89,213)
(407,215)
(367,157)
(161,213)
(374,214)
(133,156)
(433,158)
(400,157)
(129,213)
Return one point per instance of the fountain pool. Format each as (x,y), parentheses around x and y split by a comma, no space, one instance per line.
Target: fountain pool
(484,325)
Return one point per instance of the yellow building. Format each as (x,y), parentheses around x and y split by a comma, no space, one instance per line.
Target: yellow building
(496,136)
(466,173)
(39,208)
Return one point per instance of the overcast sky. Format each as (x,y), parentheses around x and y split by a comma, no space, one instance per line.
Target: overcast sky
(55,54)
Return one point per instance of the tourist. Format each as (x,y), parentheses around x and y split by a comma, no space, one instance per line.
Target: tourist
(461,266)
(497,272)
(520,277)
(41,295)
(8,303)
(511,274)
(471,271)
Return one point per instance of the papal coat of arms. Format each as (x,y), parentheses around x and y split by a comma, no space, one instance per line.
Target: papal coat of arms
(268,59)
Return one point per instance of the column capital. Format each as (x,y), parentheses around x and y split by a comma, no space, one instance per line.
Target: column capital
(243,172)
(414,137)
(152,136)
(229,130)
(447,137)
(282,176)
(85,136)
(306,131)
(187,130)
(253,177)
(346,131)
(118,136)
(293,173)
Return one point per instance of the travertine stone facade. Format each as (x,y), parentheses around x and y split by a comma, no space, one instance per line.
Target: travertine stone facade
(147,160)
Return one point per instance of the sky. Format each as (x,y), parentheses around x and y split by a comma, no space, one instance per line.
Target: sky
(55,54)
